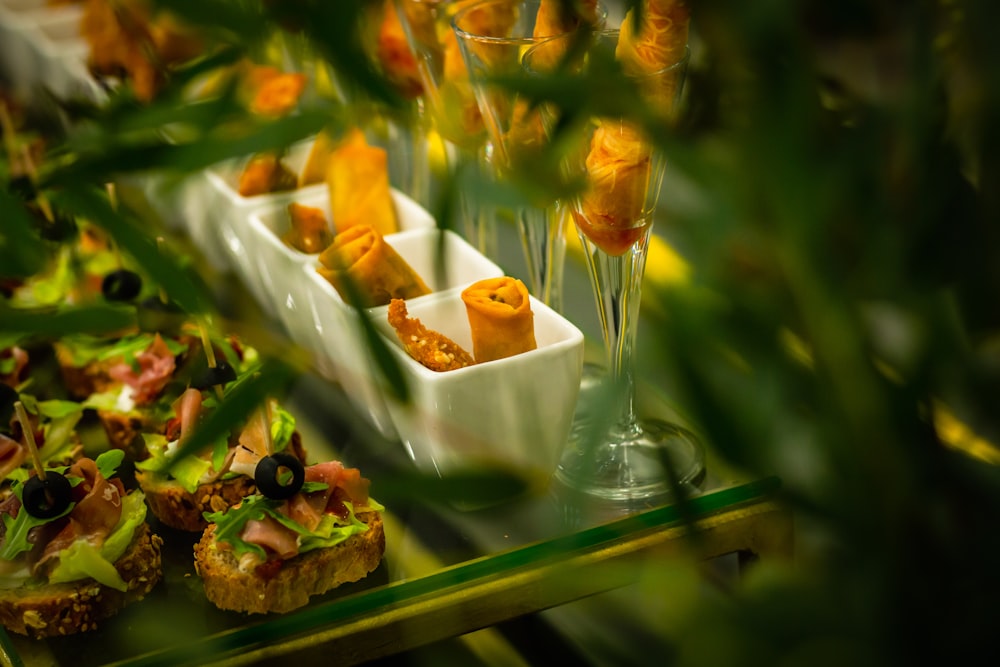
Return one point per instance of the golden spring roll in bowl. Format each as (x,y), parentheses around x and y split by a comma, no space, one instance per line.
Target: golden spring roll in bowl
(500,318)
(379,273)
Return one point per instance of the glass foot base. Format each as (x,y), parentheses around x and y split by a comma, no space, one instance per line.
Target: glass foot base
(637,469)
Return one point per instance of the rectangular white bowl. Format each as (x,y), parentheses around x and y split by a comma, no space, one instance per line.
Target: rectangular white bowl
(272,269)
(334,331)
(514,412)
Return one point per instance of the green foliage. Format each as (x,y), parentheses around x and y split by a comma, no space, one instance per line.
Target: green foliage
(836,170)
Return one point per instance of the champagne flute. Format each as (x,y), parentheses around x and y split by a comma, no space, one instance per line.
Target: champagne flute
(623,458)
(493,35)
(449,120)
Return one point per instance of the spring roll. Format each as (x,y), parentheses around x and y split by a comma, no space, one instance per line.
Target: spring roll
(317,161)
(379,274)
(658,42)
(620,159)
(393,49)
(357,177)
(500,318)
(555,17)
(309,231)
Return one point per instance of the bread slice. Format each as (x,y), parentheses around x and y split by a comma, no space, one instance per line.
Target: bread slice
(178,508)
(78,606)
(124,431)
(299,578)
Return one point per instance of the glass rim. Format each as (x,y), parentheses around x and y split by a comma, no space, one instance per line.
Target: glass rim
(603,32)
(516,41)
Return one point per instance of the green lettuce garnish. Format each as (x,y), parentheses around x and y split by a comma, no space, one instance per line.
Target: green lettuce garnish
(82,559)
(332,530)
(17,528)
(188,471)
(282,428)
(84,348)
(58,429)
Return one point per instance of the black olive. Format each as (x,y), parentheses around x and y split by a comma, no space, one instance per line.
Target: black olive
(270,479)
(46,498)
(219,375)
(8,396)
(121,285)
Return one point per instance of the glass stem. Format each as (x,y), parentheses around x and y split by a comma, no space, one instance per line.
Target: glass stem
(544,241)
(617,284)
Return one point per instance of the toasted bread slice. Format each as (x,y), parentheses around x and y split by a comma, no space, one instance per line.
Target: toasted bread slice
(68,608)
(299,578)
(178,508)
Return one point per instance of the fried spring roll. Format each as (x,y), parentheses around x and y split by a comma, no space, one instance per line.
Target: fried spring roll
(619,161)
(379,273)
(500,318)
(309,231)
(357,177)
(555,17)
(317,161)
(658,42)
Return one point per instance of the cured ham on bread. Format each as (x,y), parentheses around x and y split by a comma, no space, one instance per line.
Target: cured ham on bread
(218,477)
(273,554)
(65,574)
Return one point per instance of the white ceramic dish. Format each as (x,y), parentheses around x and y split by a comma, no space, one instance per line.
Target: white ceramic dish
(273,269)
(513,412)
(334,331)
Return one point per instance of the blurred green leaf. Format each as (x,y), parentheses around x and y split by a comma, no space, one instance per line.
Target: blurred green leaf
(53,323)
(242,398)
(22,251)
(181,283)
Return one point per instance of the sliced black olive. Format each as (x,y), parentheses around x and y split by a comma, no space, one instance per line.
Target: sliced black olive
(121,285)
(8,396)
(279,476)
(219,375)
(46,498)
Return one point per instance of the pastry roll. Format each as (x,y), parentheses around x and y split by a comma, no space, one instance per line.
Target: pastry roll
(556,17)
(357,177)
(317,161)
(378,273)
(393,49)
(309,232)
(619,165)
(500,318)
(263,174)
(657,43)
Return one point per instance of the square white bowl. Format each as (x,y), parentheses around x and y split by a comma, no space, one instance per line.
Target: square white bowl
(335,335)
(272,269)
(514,412)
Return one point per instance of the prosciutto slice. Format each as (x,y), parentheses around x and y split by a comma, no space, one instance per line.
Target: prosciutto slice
(156,365)
(97,511)
(12,455)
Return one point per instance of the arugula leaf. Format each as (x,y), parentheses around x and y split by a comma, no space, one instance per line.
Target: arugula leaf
(17,528)
(109,461)
(229,524)
(282,428)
